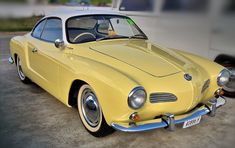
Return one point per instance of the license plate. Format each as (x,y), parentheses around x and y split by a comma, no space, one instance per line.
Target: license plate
(192,122)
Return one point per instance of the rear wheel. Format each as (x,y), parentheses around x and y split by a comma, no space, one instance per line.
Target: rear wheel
(90,113)
(20,72)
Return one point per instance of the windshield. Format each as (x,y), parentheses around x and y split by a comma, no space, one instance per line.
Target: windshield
(83,29)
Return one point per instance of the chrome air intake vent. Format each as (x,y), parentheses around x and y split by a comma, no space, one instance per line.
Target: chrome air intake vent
(162,97)
(205,86)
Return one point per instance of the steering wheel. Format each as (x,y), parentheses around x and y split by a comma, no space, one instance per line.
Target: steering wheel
(83,34)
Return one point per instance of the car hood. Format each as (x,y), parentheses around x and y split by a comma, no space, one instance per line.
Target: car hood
(149,58)
(155,68)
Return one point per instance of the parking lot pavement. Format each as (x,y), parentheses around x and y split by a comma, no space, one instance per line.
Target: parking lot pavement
(30,117)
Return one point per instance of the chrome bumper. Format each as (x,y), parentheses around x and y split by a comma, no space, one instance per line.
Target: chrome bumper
(10,60)
(169,120)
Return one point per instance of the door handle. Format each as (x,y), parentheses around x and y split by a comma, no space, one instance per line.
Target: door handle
(34,50)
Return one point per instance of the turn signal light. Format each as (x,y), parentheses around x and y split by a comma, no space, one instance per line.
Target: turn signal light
(134,117)
(219,92)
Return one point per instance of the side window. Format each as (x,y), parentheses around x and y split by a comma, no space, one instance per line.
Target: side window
(123,26)
(38,29)
(52,30)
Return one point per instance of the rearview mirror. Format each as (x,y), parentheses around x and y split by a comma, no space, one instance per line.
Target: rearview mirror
(59,43)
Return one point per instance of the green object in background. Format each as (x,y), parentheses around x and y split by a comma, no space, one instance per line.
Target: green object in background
(14,1)
(18,24)
(130,21)
(97,2)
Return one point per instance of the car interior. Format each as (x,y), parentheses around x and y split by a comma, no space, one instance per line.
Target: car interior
(87,30)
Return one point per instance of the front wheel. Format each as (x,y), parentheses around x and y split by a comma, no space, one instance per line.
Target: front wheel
(20,72)
(91,114)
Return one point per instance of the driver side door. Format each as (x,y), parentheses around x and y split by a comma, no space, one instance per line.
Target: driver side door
(43,55)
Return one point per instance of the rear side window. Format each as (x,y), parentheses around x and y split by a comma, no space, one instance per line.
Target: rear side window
(38,29)
(52,30)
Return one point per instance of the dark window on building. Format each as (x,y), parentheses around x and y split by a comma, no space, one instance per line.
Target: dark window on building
(230,6)
(185,5)
(137,5)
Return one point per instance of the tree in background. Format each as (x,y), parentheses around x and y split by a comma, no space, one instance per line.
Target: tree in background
(101,2)
(58,1)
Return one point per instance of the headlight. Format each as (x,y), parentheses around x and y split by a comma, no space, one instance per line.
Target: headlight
(137,98)
(223,77)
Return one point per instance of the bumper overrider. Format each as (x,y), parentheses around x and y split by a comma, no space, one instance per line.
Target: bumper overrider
(169,120)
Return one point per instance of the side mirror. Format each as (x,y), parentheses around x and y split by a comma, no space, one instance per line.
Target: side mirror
(59,43)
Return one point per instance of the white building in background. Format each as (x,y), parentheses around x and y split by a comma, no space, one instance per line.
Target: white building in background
(34,2)
(156,7)
(203,27)
(192,25)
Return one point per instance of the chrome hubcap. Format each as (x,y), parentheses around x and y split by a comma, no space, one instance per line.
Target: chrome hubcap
(90,108)
(19,69)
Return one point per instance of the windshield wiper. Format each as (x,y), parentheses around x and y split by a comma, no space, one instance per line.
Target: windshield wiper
(109,37)
(138,36)
(104,38)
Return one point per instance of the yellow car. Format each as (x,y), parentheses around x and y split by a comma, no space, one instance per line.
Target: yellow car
(103,64)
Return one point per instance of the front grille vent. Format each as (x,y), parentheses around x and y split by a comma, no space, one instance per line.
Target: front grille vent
(162,97)
(205,86)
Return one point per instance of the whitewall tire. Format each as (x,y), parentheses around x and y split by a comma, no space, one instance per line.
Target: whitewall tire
(90,112)
(20,72)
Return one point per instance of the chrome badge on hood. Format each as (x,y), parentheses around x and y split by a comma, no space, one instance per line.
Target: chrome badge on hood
(188,77)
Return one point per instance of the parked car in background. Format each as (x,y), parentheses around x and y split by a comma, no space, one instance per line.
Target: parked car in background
(103,64)
(202,27)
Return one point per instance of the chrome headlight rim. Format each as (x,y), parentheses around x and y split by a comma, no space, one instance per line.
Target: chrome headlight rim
(221,74)
(136,89)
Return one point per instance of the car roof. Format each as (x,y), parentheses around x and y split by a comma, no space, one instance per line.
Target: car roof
(65,14)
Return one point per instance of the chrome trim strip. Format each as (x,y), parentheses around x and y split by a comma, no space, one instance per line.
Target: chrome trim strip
(203,110)
(206,85)
(200,112)
(10,60)
(139,128)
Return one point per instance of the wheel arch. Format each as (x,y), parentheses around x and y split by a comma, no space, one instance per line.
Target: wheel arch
(73,91)
(108,97)
(18,47)
(15,56)
(110,85)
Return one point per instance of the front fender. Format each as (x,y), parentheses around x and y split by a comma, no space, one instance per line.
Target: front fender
(110,85)
(213,69)
(18,46)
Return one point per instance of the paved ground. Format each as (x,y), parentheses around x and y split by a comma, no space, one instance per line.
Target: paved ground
(30,117)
